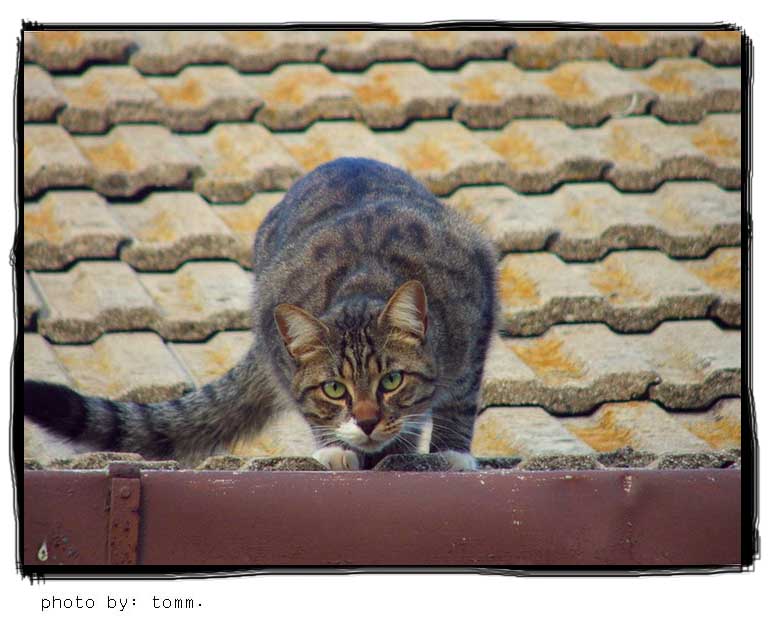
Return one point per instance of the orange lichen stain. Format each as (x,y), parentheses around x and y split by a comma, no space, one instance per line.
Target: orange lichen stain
(244,219)
(518,148)
(671,80)
(349,36)
(92,370)
(626,37)
(479,88)
(161,228)
(235,160)
(722,36)
(568,83)
(113,156)
(292,88)
(516,287)
(540,37)
(427,156)
(547,359)
(674,216)
(579,212)
(716,144)
(313,152)
(604,434)
(187,92)
(488,442)
(189,293)
(613,280)
(474,214)
(28,148)
(624,147)
(90,93)
(378,91)
(40,223)
(248,38)
(720,432)
(443,37)
(51,40)
(722,271)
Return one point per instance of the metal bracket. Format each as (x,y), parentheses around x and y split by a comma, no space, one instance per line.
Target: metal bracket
(124,521)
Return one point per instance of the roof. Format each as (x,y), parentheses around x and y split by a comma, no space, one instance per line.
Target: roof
(606,167)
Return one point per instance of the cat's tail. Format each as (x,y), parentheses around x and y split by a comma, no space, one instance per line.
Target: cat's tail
(193,426)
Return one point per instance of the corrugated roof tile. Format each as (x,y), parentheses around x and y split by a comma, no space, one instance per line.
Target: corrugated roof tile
(67,50)
(52,159)
(42,100)
(722,47)
(243,220)
(32,303)
(40,362)
(720,426)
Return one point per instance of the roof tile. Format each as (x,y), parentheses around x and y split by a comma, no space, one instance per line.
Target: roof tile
(444,155)
(445,49)
(208,361)
(629,291)
(524,432)
(199,299)
(52,159)
(721,47)
(91,298)
(353,50)
(32,303)
(104,96)
(722,272)
(388,95)
(168,52)
(124,366)
(67,225)
(42,100)
(170,228)
(720,426)
(201,96)
(66,50)
(40,362)
(133,158)
(243,221)
(297,95)
(239,159)
(258,51)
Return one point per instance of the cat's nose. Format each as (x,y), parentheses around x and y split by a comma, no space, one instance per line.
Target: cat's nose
(367,425)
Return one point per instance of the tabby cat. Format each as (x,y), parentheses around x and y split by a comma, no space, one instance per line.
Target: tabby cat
(373,309)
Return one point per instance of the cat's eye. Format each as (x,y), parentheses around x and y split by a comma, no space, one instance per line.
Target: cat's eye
(334,389)
(391,381)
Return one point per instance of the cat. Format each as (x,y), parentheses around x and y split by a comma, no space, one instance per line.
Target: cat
(373,309)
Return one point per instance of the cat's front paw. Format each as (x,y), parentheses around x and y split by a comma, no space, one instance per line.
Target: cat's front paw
(460,461)
(337,459)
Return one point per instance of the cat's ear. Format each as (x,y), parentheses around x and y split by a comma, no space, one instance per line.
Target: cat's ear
(302,333)
(406,310)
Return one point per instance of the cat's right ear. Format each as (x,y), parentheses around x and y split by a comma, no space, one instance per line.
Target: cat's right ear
(302,333)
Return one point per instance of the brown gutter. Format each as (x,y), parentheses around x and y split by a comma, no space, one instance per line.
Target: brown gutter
(258,518)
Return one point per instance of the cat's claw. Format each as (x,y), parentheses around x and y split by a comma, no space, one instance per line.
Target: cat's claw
(337,459)
(460,461)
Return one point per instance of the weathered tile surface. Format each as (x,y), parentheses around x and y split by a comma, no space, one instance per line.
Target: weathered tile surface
(32,302)
(91,298)
(66,50)
(585,221)
(243,221)
(720,426)
(52,159)
(720,47)
(199,299)
(130,159)
(170,228)
(722,272)
(67,225)
(239,159)
(104,96)
(42,100)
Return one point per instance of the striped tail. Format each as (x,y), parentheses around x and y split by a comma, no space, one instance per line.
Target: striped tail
(189,428)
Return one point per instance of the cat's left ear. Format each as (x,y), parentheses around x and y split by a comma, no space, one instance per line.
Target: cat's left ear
(407,310)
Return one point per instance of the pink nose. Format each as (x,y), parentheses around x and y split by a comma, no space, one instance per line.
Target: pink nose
(366,415)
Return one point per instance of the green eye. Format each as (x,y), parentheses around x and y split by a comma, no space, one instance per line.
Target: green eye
(391,381)
(334,389)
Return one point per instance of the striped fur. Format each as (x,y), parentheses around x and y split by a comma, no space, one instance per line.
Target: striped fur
(359,271)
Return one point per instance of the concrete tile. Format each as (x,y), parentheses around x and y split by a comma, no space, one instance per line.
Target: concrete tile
(239,159)
(42,101)
(125,366)
(243,221)
(200,96)
(199,299)
(686,89)
(67,225)
(169,228)
(40,362)
(696,361)
(354,50)
(720,47)
(444,155)
(524,432)
(637,48)
(720,426)
(722,272)
(133,158)
(91,298)
(445,49)
(296,95)
(166,52)
(389,95)
(32,303)
(52,159)
(325,141)
(67,50)
(105,96)
(260,51)
(642,426)
(208,361)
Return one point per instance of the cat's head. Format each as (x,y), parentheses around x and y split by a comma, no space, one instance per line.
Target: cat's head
(364,376)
